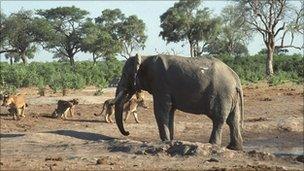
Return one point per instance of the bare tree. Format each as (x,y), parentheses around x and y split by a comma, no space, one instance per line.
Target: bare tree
(271,19)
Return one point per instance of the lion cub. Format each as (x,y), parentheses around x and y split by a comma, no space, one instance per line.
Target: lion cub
(129,107)
(63,107)
(16,103)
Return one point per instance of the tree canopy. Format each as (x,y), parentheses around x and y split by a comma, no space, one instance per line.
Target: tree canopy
(66,24)
(20,33)
(234,35)
(128,31)
(187,21)
(99,41)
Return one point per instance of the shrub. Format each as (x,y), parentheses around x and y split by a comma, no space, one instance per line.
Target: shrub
(251,69)
(59,75)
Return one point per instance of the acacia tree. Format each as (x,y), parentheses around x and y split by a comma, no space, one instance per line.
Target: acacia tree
(132,35)
(4,29)
(270,19)
(99,41)
(3,36)
(235,31)
(186,21)
(67,32)
(128,31)
(19,35)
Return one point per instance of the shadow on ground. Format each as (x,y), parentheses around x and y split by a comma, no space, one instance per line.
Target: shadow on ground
(85,120)
(10,135)
(81,135)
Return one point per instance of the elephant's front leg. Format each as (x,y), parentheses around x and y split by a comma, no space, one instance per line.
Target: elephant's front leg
(162,107)
(171,123)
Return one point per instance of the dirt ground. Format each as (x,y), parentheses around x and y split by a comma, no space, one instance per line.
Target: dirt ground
(273,136)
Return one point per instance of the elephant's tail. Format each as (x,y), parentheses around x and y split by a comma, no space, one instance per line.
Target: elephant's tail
(240,93)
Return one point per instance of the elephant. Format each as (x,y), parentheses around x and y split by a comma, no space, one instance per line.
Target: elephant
(202,85)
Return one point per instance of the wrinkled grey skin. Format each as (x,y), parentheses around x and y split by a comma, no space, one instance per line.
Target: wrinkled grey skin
(194,85)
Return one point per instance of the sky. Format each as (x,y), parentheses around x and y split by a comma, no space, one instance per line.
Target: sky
(148,11)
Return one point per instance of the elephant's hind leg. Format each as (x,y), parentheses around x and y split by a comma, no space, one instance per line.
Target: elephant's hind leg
(220,111)
(216,134)
(236,141)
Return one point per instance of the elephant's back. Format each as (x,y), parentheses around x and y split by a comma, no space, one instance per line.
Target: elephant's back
(193,82)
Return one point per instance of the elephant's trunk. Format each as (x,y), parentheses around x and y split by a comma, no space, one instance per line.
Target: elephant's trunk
(119,105)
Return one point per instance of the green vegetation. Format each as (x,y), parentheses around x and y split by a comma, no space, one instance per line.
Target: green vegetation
(58,75)
(185,21)
(66,31)
(251,69)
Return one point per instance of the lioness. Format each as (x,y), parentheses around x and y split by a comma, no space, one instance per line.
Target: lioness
(63,107)
(16,103)
(129,107)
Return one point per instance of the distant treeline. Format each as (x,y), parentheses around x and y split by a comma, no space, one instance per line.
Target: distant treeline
(59,75)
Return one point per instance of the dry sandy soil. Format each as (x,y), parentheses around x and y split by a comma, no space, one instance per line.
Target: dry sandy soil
(273,136)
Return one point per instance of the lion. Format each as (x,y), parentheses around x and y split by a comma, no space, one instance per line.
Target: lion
(129,107)
(63,107)
(16,103)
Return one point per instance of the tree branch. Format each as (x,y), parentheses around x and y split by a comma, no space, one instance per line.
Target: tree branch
(289,46)
(280,29)
(260,16)
(277,17)
(8,50)
(257,27)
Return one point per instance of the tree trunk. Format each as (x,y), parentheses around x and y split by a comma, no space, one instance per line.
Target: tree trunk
(23,58)
(94,59)
(269,61)
(270,51)
(191,49)
(198,50)
(11,60)
(72,61)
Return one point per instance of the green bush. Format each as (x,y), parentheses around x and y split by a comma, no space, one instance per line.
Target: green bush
(251,69)
(59,75)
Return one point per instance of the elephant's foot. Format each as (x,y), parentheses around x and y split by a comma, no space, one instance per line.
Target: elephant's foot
(168,142)
(235,146)
(165,139)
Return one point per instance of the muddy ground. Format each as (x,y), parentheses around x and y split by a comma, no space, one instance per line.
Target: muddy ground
(273,136)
